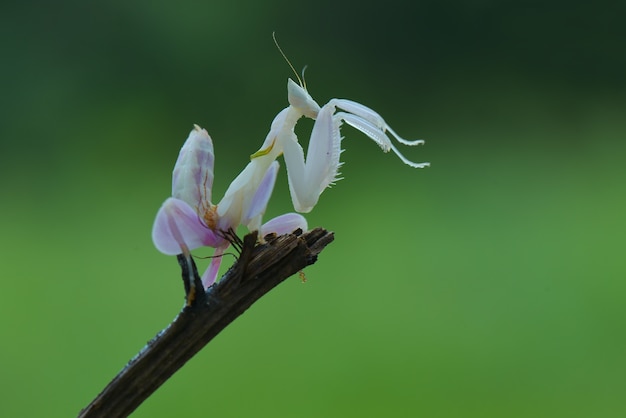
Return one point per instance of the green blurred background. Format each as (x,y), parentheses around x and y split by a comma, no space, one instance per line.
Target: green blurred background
(489,285)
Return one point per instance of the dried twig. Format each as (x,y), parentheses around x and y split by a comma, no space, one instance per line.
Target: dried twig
(259,269)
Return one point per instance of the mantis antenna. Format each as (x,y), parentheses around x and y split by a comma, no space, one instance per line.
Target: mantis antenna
(300,80)
(304,79)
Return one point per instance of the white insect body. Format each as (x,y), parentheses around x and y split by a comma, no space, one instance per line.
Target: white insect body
(190,220)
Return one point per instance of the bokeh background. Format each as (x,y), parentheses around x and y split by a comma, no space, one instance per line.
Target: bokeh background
(489,285)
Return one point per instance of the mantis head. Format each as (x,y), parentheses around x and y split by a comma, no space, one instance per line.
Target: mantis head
(300,99)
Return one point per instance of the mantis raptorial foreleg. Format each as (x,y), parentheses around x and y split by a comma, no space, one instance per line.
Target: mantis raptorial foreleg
(307,180)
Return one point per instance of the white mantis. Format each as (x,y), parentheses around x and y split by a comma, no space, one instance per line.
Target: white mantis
(189,220)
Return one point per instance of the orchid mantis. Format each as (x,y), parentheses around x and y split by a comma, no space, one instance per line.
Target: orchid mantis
(189,219)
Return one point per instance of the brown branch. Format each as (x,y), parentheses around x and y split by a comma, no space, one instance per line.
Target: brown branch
(259,269)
